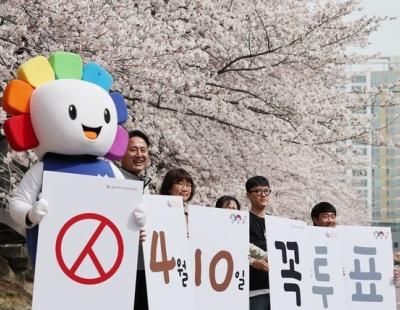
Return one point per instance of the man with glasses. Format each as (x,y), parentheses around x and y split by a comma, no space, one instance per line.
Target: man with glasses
(258,192)
(324,214)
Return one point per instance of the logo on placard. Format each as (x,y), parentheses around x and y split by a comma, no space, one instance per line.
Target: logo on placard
(331,234)
(379,234)
(118,187)
(102,271)
(173,204)
(237,218)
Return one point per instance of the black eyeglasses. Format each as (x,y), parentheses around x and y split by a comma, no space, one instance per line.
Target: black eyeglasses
(259,192)
(183,183)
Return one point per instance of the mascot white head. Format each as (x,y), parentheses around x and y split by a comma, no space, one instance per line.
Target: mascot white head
(58,105)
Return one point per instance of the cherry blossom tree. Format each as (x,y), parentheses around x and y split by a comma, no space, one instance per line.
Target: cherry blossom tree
(226,89)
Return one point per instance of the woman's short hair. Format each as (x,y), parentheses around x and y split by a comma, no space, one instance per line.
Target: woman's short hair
(174,176)
(224,199)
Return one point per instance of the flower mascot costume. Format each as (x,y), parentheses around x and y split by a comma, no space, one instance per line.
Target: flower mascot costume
(63,110)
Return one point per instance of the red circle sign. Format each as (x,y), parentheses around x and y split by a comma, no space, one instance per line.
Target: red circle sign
(88,249)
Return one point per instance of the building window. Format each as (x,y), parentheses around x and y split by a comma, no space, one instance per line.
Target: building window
(359,172)
(362,193)
(360,151)
(359,79)
(360,182)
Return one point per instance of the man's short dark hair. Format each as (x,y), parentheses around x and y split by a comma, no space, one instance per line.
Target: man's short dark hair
(140,134)
(256,181)
(322,207)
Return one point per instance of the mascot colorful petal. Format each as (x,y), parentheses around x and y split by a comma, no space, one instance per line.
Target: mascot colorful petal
(63,110)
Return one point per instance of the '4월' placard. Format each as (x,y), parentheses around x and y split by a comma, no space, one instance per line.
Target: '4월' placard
(219,244)
(88,243)
(169,283)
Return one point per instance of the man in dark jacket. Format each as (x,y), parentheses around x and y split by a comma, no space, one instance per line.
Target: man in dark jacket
(133,164)
(136,158)
(258,191)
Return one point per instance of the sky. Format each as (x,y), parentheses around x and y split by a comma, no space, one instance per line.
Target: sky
(387,39)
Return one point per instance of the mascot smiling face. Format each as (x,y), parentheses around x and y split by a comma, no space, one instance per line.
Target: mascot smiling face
(79,118)
(64,107)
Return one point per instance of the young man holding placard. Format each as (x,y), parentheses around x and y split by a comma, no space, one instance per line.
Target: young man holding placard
(258,191)
(323,214)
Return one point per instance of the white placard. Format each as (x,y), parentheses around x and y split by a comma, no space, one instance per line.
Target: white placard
(368,264)
(219,245)
(327,274)
(341,268)
(289,278)
(168,279)
(88,243)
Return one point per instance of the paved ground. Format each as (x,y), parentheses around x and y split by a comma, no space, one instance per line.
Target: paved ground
(13,297)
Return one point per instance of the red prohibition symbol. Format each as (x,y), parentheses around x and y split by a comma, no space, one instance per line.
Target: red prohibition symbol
(71,271)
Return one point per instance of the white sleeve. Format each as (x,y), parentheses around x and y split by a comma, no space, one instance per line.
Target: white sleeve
(256,252)
(117,173)
(26,194)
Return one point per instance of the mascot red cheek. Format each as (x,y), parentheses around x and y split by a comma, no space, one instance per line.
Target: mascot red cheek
(64,111)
